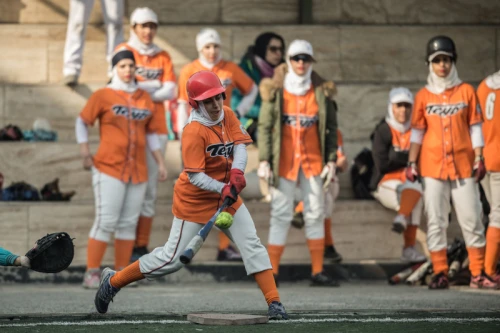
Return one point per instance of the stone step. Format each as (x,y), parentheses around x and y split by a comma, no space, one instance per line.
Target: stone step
(278,11)
(361,229)
(345,53)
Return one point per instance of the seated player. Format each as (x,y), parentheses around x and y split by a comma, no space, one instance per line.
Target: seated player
(330,197)
(391,142)
(214,155)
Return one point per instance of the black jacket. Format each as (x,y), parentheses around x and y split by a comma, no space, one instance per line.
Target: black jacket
(385,158)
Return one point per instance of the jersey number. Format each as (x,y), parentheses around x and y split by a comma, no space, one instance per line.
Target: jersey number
(490,105)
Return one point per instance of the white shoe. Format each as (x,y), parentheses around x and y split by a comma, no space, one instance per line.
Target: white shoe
(410,254)
(92,279)
(399,223)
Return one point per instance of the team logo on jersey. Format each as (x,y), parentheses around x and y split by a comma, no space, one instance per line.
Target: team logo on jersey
(219,149)
(243,130)
(135,113)
(305,121)
(149,73)
(445,110)
(226,82)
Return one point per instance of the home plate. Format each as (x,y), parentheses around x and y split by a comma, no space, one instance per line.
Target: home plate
(226,319)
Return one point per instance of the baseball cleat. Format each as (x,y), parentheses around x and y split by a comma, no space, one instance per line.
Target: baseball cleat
(332,255)
(399,224)
(410,254)
(483,281)
(439,281)
(277,311)
(70,80)
(106,291)
(91,279)
(137,253)
(323,280)
(229,254)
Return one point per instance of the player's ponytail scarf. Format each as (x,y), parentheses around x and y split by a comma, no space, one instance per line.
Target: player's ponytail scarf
(437,85)
(493,81)
(144,49)
(201,115)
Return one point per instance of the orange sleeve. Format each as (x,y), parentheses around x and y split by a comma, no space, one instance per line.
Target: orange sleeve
(238,132)
(193,149)
(183,78)
(475,115)
(92,110)
(168,68)
(241,80)
(418,115)
(340,144)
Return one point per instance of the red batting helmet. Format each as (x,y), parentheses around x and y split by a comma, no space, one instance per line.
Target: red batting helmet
(202,85)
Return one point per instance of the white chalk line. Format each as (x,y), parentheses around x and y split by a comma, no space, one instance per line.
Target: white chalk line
(291,321)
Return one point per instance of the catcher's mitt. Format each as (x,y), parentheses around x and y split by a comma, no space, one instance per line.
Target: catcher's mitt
(52,253)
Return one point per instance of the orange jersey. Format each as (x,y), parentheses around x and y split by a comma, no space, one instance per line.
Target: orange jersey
(156,67)
(124,120)
(209,150)
(300,145)
(400,142)
(446,118)
(489,99)
(230,74)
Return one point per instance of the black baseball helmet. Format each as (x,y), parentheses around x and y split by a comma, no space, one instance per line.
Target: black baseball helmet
(441,44)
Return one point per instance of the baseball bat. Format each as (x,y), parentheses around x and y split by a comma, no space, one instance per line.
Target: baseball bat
(419,273)
(404,274)
(197,241)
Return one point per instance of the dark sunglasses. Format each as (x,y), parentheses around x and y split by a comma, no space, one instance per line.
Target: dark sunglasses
(275,49)
(303,57)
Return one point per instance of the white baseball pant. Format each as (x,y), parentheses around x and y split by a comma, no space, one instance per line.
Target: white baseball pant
(388,193)
(282,208)
(79,14)
(165,260)
(465,197)
(117,207)
(491,187)
(148,206)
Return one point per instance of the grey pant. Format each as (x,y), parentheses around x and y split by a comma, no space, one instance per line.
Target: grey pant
(166,260)
(491,186)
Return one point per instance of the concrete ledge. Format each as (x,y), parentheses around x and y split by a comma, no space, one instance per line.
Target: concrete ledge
(220,272)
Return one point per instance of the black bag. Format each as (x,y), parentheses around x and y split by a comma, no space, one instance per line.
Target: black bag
(20,191)
(361,174)
(11,133)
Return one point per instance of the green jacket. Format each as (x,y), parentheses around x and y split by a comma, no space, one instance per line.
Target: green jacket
(250,68)
(269,138)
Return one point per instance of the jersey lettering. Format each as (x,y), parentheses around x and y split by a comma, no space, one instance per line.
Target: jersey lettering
(136,114)
(219,149)
(149,73)
(305,121)
(445,110)
(490,105)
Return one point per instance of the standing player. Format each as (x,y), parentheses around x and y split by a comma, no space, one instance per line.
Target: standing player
(488,94)
(79,14)
(214,154)
(390,146)
(154,74)
(331,195)
(119,172)
(298,144)
(208,44)
(446,131)
(7,258)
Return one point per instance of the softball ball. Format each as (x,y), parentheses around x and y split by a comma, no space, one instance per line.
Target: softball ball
(224,220)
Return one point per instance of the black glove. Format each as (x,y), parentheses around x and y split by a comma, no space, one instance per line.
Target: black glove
(52,253)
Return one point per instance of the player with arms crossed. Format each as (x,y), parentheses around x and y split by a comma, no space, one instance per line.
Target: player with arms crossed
(488,94)
(127,124)
(208,45)
(155,74)
(214,154)
(446,132)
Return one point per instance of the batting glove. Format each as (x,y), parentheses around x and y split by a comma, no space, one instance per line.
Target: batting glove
(264,170)
(227,193)
(479,170)
(237,179)
(411,172)
(328,174)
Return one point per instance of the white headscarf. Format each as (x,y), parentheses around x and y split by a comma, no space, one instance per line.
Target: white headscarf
(437,85)
(204,37)
(298,84)
(201,115)
(141,16)
(493,81)
(398,95)
(117,84)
